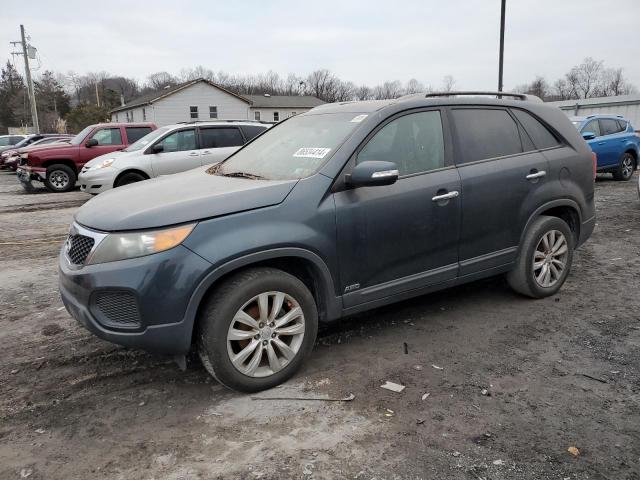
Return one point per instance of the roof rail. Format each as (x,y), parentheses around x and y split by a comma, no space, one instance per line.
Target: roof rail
(519,96)
(222,121)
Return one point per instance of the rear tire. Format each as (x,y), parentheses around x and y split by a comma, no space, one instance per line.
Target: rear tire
(545,258)
(626,167)
(129,177)
(240,340)
(60,178)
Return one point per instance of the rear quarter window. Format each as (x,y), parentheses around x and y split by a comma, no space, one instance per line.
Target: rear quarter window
(485,133)
(541,136)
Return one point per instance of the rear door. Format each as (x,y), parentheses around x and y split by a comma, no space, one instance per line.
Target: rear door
(180,153)
(217,143)
(500,170)
(611,144)
(136,133)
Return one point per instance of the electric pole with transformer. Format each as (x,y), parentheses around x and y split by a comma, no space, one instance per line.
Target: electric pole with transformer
(28,52)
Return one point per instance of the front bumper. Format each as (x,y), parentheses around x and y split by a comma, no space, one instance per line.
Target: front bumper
(27,174)
(160,284)
(97,181)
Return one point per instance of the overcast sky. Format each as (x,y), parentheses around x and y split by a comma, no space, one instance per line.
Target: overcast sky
(362,41)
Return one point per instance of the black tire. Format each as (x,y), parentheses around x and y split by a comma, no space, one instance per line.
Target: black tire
(626,167)
(129,177)
(217,316)
(60,178)
(522,278)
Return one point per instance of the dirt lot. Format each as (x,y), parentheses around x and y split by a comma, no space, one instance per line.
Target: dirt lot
(559,372)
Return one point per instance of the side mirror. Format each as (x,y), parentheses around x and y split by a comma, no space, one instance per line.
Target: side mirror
(92,142)
(373,173)
(157,148)
(588,135)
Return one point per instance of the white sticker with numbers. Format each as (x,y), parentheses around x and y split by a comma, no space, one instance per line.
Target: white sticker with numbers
(312,152)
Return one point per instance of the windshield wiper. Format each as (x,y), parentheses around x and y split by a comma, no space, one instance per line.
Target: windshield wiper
(243,175)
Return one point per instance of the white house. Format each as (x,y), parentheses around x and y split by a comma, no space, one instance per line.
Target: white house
(626,105)
(203,100)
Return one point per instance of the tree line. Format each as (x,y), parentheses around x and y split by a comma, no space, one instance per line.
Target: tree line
(70,101)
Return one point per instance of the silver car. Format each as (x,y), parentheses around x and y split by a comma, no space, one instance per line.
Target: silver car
(167,150)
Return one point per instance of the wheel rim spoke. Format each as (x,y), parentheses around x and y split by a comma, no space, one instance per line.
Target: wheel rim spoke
(263,306)
(274,363)
(255,360)
(235,334)
(295,313)
(278,300)
(284,348)
(239,359)
(246,319)
(294,329)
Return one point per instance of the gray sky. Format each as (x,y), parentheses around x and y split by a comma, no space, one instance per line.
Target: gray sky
(362,41)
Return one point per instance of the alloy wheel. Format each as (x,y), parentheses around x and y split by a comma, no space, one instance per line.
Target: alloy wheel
(266,334)
(627,166)
(550,258)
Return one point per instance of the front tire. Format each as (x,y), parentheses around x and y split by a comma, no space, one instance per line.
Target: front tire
(626,167)
(129,177)
(60,178)
(545,258)
(256,329)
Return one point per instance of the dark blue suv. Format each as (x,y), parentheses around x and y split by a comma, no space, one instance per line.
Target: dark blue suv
(339,210)
(613,140)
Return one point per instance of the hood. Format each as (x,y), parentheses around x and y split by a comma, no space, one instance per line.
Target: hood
(95,161)
(47,146)
(180,198)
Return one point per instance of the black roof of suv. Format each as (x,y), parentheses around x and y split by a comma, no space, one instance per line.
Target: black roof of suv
(341,209)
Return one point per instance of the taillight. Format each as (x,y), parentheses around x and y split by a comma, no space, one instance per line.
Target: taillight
(595,164)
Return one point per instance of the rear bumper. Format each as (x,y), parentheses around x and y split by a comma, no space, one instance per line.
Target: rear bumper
(161,286)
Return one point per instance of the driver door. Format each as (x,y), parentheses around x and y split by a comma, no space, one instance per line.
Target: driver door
(401,237)
(109,140)
(180,153)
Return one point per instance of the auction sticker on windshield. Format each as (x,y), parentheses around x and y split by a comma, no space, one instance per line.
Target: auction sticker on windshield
(312,152)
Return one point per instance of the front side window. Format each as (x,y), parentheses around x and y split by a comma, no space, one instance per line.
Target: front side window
(213,112)
(541,136)
(78,139)
(276,116)
(108,136)
(193,112)
(256,116)
(136,133)
(413,142)
(293,149)
(220,137)
(592,127)
(485,133)
(609,126)
(179,141)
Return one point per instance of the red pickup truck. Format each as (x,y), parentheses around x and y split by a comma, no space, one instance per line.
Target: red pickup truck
(58,165)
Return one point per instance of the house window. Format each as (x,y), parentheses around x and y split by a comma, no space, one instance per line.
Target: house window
(193,112)
(256,116)
(144,115)
(213,112)
(276,116)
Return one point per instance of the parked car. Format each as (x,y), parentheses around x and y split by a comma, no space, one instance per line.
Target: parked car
(58,165)
(24,141)
(613,140)
(167,150)
(338,210)
(8,141)
(9,159)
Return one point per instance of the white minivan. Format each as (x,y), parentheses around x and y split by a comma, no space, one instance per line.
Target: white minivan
(167,150)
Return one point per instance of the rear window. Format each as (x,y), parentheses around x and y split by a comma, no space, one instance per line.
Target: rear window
(219,137)
(251,131)
(541,135)
(485,133)
(136,133)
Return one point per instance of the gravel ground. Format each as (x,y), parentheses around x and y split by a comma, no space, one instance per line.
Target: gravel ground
(512,383)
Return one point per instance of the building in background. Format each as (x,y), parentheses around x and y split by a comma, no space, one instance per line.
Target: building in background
(203,100)
(626,105)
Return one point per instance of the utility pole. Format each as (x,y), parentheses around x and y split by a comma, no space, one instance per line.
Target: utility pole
(27,72)
(501,60)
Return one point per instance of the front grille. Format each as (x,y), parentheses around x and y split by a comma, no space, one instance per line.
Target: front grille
(22,161)
(78,248)
(117,309)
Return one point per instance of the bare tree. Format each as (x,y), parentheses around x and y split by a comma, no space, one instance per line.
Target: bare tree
(160,80)
(388,90)
(364,92)
(448,83)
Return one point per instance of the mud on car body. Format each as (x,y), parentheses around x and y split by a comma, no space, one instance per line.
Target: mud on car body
(338,210)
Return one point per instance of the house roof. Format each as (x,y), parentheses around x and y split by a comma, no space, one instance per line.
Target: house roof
(283,101)
(619,99)
(155,96)
(259,101)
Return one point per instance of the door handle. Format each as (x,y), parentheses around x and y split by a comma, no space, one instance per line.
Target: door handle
(206,152)
(193,154)
(533,176)
(601,143)
(445,196)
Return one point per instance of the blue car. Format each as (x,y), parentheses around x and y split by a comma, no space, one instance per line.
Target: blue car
(613,140)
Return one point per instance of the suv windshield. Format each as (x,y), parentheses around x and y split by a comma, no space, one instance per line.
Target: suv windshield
(77,140)
(294,149)
(147,139)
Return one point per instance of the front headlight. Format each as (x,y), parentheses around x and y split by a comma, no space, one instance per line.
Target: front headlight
(121,246)
(104,164)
